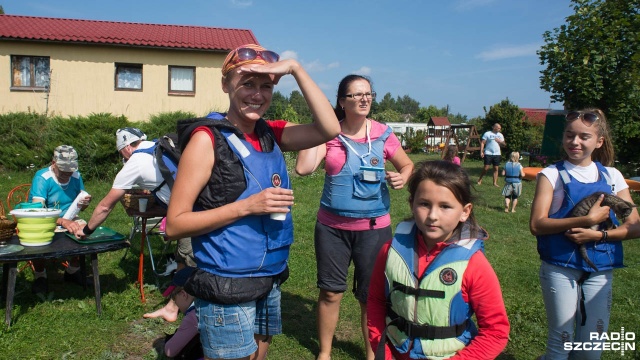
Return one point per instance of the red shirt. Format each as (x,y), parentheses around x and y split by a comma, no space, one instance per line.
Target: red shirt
(480,288)
(276,125)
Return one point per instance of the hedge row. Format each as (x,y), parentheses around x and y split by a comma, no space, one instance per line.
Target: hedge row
(29,139)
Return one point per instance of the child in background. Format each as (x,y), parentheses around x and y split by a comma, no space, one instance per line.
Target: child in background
(440,250)
(513,173)
(185,342)
(577,298)
(452,154)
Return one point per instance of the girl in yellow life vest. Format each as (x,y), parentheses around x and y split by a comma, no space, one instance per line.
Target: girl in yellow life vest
(433,276)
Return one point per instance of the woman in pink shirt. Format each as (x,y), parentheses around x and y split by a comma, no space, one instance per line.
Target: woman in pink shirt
(353,219)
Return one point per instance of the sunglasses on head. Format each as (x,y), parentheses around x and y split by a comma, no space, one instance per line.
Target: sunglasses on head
(246,54)
(587,118)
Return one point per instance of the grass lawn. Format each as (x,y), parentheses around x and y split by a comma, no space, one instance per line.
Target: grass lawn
(65,324)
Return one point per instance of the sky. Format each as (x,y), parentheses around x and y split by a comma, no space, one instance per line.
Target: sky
(465,54)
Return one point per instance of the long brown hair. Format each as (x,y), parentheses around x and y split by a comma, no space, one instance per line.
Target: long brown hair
(452,151)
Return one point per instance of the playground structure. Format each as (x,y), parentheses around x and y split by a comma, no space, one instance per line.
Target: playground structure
(472,142)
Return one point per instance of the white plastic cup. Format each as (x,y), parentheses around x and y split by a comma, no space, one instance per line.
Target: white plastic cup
(278,216)
(142,204)
(74,209)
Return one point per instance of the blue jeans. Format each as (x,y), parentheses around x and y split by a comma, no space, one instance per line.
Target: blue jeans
(561,294)
(227,331)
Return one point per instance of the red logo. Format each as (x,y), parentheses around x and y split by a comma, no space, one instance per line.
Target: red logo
(276,180)
(375,161)
(448,276)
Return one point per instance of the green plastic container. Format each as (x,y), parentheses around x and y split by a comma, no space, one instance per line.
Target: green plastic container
(36,226)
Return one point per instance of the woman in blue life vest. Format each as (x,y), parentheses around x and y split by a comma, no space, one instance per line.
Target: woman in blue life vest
(231,178)
(432,277)
(353,219)
(513,173)
(577,298)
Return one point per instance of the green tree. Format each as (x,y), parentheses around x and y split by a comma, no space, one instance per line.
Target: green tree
(387,116)
(457,118)
(423,115)
(279,104)
(407,105)
(387,103)
(299,104)
(290,114)
(1,10)
(514,128)
(594,60)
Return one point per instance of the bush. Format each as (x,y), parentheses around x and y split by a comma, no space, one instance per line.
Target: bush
(31,138)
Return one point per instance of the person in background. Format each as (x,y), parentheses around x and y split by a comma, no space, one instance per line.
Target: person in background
(513,173)
(490,146)
(578,298)
(232,195)
(433,276)
(57,186)
(140,170)
(353,219)
(452,154)
(184,343)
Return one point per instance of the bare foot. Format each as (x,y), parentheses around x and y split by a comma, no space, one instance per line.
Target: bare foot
(169,312)
(323,357)
(479,182)
(496,185)
(506,210)
(513,210)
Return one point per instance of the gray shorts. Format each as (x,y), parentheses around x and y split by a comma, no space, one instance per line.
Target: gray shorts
(512,190)
(184,252)
(335,249)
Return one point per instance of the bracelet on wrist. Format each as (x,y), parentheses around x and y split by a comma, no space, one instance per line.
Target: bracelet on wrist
(87,231)
(604,235)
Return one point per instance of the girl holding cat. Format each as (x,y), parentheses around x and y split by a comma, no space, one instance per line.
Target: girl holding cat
(577,298)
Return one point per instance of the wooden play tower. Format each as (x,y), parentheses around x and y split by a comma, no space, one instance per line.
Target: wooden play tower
(472,143)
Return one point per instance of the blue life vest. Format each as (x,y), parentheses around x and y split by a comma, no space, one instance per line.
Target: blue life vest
(254,245)
(167,165)
(512,172)
(359,190)
(558,250)
(427,316)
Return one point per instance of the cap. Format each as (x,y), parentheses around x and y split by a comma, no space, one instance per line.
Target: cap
(128,135)
(66,158)
(179,279)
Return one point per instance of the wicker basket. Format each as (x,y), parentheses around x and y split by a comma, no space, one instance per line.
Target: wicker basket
(7,228)
(130,201)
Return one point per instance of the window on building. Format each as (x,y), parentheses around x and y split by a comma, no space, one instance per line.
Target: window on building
(182,80)
(30,73)
(128,76)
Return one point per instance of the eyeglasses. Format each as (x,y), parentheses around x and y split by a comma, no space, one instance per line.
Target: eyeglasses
(246,54)
(587,118)
(359,96)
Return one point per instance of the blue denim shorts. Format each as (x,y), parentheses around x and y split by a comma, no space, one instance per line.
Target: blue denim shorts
(227,331)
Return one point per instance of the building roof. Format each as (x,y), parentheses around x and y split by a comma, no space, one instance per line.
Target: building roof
(535,116)
(440,121)
(31,28)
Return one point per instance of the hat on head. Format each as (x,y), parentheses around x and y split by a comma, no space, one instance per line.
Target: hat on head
(231,62)
(66,158)
(179,279)
(128,135)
